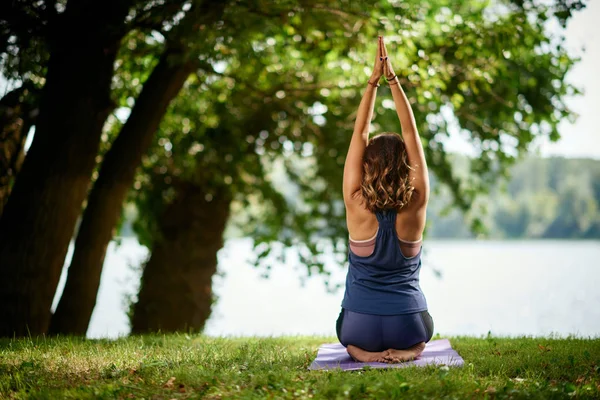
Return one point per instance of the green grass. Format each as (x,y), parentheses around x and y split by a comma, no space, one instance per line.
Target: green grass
(182,367)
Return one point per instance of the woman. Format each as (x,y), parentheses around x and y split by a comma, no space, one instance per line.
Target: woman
(384,312)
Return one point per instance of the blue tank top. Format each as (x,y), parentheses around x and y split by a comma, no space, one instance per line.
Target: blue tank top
(386,282)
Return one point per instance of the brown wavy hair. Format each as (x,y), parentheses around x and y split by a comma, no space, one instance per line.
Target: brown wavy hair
(385,183)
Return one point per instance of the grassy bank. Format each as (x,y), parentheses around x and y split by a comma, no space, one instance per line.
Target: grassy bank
(182,366)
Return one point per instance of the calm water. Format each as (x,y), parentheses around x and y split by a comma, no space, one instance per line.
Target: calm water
(508,288)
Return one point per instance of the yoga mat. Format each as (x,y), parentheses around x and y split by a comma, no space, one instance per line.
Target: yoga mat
(438,352)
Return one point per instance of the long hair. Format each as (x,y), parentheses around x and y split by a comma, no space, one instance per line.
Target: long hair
(385,183)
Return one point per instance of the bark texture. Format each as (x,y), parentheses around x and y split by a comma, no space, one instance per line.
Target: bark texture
(18,110)
(176,286)
(105,201)
(40,216)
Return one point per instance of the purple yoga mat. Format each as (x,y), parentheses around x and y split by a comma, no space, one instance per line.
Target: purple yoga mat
(438,352)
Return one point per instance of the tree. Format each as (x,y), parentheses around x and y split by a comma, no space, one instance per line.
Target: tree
(500,84)
(210,161)
(82,39)
(577,210)
(116,174)
(41,212)
(18,110)
(23,59)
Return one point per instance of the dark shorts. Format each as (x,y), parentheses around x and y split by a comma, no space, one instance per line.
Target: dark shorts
(382,332)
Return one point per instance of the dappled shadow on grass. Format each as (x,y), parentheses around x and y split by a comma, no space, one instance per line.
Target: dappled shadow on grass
(192,366)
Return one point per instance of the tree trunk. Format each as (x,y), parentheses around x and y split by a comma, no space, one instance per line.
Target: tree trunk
(18,109)
(105,201)
(40,216)
(176,287)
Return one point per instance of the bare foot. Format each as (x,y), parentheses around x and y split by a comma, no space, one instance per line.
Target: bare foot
(361,355)
(397,356)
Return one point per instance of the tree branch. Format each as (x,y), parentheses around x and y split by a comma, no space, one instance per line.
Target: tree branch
(341,13)
(147,20)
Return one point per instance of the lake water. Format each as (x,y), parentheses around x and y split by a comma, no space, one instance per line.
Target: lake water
(506,287)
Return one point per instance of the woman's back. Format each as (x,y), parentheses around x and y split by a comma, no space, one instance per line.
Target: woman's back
(410,222)
(385,282)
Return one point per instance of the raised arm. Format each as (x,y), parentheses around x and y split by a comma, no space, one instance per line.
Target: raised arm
(360,136)
(414,149)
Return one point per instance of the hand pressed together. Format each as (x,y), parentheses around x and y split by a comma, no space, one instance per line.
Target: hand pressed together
(378,67)
(388,70)
(383,64)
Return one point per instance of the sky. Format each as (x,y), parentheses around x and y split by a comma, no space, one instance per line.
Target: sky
(581,139)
